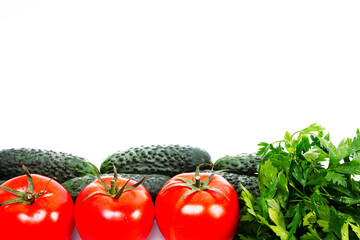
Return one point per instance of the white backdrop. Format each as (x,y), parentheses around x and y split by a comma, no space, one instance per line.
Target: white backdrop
(93,77)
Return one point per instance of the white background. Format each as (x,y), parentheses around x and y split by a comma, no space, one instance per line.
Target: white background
(93,77)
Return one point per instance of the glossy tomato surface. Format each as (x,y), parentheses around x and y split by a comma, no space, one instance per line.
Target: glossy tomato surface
(49,217)
(102,217)
(202,215)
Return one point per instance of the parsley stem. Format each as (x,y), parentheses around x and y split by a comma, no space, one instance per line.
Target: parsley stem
(327,194)
(301,194)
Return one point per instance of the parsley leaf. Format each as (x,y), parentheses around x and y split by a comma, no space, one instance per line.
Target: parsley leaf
(307,189)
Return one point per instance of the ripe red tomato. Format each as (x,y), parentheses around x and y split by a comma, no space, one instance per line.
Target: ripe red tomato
(49,217)
(206,214)
(100,216)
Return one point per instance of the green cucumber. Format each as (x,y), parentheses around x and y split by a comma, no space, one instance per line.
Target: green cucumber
(241,168)
(168,160)
(2,181)
(249,182)
(153,183)
(63,166)
(75,185)
(242,164)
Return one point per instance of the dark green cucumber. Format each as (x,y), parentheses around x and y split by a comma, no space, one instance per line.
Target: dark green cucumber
(168,160)
(63,166)
(153,183)
(242,164)
(249,182)
(2,181)
(75,185)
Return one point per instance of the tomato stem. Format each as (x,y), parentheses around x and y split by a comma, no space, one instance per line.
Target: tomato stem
(112,190)
(112,187)
(197,182)
(30,197)
(27,197)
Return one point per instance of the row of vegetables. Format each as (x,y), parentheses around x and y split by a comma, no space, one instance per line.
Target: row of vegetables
(300,187)
(107,204)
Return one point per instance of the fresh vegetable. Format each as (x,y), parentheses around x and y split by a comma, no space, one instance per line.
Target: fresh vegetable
(167,160)
(241,168)
(307,189)
(63,166)
(197,206)
(35,207)
(250,182)
(114,207)
(153,183)
(2,181)
(241,164)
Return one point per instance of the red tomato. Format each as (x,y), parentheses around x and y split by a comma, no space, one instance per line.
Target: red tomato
(49,217)
(202,215)
(103,217)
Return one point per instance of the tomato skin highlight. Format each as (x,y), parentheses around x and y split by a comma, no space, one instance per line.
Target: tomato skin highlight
(201,215)
(49,217)
(102,217)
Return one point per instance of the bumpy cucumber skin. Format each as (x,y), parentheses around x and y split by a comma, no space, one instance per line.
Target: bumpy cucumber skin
(153,183)
(242,164)
(168,160)
(75,185)
(249,182)
(63,166)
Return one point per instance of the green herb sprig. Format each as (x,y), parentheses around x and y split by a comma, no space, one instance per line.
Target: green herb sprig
(307,189)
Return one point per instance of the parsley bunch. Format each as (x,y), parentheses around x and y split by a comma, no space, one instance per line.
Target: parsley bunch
(307,189)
